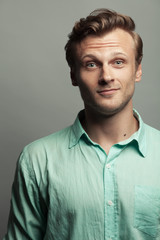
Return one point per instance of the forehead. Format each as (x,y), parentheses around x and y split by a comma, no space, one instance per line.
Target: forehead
(116,40)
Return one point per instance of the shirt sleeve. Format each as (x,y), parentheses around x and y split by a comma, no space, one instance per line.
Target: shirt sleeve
(26,219)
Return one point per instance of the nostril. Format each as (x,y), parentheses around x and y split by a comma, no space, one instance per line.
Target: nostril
(103,82)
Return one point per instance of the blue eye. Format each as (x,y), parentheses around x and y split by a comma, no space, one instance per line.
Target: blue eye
(91,65)
(118,62)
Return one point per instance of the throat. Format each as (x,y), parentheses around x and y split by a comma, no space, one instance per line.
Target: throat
(110,131)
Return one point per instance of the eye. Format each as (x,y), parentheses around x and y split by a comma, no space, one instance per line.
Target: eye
(119,62)
(91,65)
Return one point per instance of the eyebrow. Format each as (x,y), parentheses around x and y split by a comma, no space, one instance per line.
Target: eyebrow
(119,53)
(114,54)
(89,56)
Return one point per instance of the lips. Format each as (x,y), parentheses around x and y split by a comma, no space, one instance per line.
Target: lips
(108,91)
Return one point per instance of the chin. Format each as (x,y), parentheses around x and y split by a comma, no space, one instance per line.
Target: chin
(110,110)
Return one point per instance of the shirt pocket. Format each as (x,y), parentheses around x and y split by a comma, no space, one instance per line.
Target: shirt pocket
(147,210)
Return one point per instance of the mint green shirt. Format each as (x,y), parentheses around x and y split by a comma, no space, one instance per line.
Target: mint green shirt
(67,188)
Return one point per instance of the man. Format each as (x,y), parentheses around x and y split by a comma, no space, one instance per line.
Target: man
(99,178)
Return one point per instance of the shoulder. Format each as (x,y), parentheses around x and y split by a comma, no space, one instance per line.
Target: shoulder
(152,132)
(39,152)
(48,142)
(38,156)
(152,138)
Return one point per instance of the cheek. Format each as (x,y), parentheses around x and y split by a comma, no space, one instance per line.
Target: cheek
(85,89)
(127,78)
(87,80)
(89,75)
(129,87)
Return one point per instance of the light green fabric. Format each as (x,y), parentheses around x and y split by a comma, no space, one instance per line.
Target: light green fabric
(67,188)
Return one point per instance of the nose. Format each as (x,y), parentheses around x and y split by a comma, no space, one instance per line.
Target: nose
(105,75)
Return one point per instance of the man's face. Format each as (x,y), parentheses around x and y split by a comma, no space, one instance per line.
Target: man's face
(106,72)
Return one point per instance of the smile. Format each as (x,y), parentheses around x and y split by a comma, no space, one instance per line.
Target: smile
(107,92)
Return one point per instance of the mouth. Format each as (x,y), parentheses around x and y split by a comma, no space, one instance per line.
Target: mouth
(108,92)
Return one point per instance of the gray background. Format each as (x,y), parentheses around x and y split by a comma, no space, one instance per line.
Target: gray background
(36,95)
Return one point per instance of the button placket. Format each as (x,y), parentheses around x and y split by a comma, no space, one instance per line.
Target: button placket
(108,165)
(110,225)
(110,203)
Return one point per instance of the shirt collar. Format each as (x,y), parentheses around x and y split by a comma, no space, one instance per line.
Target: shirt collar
(139,136)
(77,132)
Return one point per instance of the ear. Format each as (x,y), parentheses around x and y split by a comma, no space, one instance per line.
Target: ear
(73,78)
(138,73)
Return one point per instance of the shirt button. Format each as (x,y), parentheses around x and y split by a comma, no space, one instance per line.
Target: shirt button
(108,165)
(110,203)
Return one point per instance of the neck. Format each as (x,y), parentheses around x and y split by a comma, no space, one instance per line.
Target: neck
(109,130)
